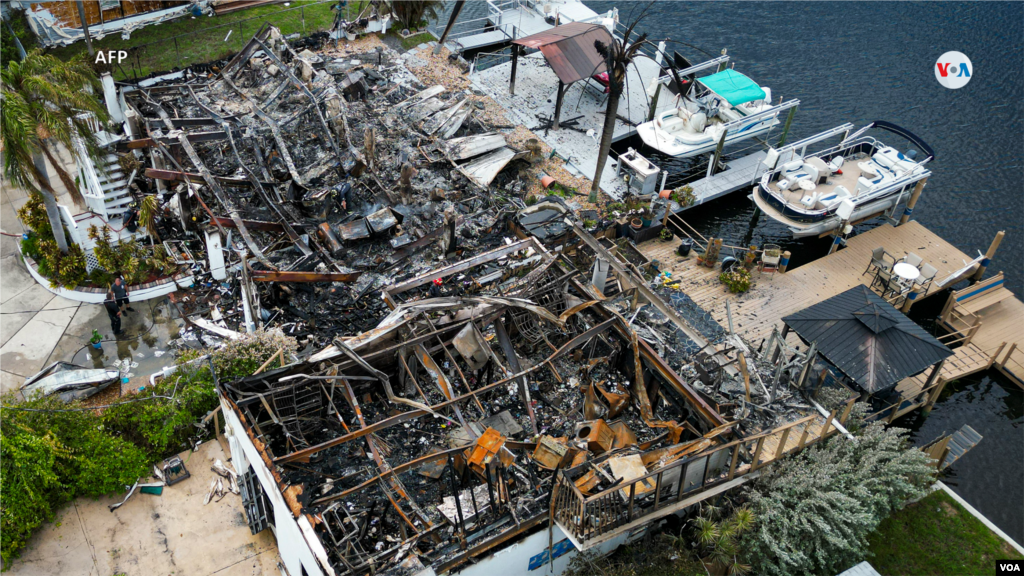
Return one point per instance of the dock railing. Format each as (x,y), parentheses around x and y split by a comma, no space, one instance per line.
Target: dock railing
(492,22)
(1012,365)
(598,517)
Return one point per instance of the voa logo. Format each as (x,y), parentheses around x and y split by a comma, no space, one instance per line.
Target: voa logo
(1008,567)
(953,70)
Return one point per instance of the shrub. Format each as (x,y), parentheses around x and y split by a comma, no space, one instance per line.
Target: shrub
(163,427)
(816,509)
(33,214)
(738,280)
(647,557)
(49,458)
(683,195)
(62,270)
(128,258)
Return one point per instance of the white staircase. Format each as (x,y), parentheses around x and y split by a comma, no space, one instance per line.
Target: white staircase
(114,186)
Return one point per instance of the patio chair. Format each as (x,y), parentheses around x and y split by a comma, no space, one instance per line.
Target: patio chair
(913,259)
(770,259)
(928,273)
(894,287)
(878,260)
(881,279)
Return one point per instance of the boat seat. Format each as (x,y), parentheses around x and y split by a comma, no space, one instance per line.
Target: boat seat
(810,201)
(818,164)
(863,185)
(830,201)
(791,180)
(671,124)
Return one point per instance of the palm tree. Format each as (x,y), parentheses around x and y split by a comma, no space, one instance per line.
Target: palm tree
(41,99)
(617,57)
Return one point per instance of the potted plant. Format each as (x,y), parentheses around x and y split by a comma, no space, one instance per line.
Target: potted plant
(666,234)
(737,280)
(96,339)
(646,216)
(683,196)
(636,222)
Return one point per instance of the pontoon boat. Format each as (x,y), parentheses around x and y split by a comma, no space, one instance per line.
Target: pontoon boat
(803,190)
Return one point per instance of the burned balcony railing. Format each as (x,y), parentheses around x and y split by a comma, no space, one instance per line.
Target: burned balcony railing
(593,519)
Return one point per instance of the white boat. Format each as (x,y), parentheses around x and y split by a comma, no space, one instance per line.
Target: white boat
(804,190)
(726,102)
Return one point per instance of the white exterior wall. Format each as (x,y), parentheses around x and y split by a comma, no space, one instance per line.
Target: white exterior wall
(515,560)
(296,550)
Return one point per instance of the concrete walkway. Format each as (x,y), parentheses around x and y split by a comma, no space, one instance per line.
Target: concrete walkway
(38,328)
(173,533)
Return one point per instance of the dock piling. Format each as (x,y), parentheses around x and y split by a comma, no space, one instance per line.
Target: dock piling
(784,263)
(912,202)
(911,298)
(785,127)
(988,255)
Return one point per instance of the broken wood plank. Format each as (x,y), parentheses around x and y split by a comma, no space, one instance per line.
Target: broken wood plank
(484,169)
(469,146)
(253,224)
(419,97)
(435,122)
(421,111)
(280,276)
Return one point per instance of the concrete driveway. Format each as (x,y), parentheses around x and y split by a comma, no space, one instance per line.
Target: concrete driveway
(172,534)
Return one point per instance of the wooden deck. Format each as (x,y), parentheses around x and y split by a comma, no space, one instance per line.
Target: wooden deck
(771,298)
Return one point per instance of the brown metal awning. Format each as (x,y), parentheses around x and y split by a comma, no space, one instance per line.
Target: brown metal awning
(569,49)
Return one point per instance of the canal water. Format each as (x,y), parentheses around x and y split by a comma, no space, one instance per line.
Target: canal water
(858,62)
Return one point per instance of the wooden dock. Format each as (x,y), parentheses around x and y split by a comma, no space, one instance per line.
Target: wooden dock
(772,297)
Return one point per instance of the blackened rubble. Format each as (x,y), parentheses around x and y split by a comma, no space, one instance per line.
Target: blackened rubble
(335,177)
(471,369)
(475,413)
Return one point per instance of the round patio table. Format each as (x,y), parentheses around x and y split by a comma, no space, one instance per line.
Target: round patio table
(907,273)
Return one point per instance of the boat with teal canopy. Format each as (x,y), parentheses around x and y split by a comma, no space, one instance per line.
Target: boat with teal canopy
(723,107)
(734,87)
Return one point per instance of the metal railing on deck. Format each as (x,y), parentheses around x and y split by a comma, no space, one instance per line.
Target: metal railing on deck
(588,518)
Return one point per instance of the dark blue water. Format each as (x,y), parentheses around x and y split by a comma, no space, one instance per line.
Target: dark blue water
(858,62)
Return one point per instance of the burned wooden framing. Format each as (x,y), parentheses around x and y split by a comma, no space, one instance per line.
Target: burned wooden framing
(478,432)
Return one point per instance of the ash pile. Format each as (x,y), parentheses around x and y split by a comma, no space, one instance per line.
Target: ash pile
(296,185)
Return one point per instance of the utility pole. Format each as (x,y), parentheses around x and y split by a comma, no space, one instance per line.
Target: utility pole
(85,26)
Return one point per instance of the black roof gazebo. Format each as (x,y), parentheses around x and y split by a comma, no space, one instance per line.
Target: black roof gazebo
(872,343)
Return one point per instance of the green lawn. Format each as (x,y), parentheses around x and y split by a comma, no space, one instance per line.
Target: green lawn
(203,38)
(936,536)
(416,39)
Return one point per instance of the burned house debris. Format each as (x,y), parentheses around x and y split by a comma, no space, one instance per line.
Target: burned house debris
(322,180)
(474,373)
(521,404)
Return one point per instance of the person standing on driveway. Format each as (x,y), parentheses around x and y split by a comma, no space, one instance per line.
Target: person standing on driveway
(114,312)
(120,290)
